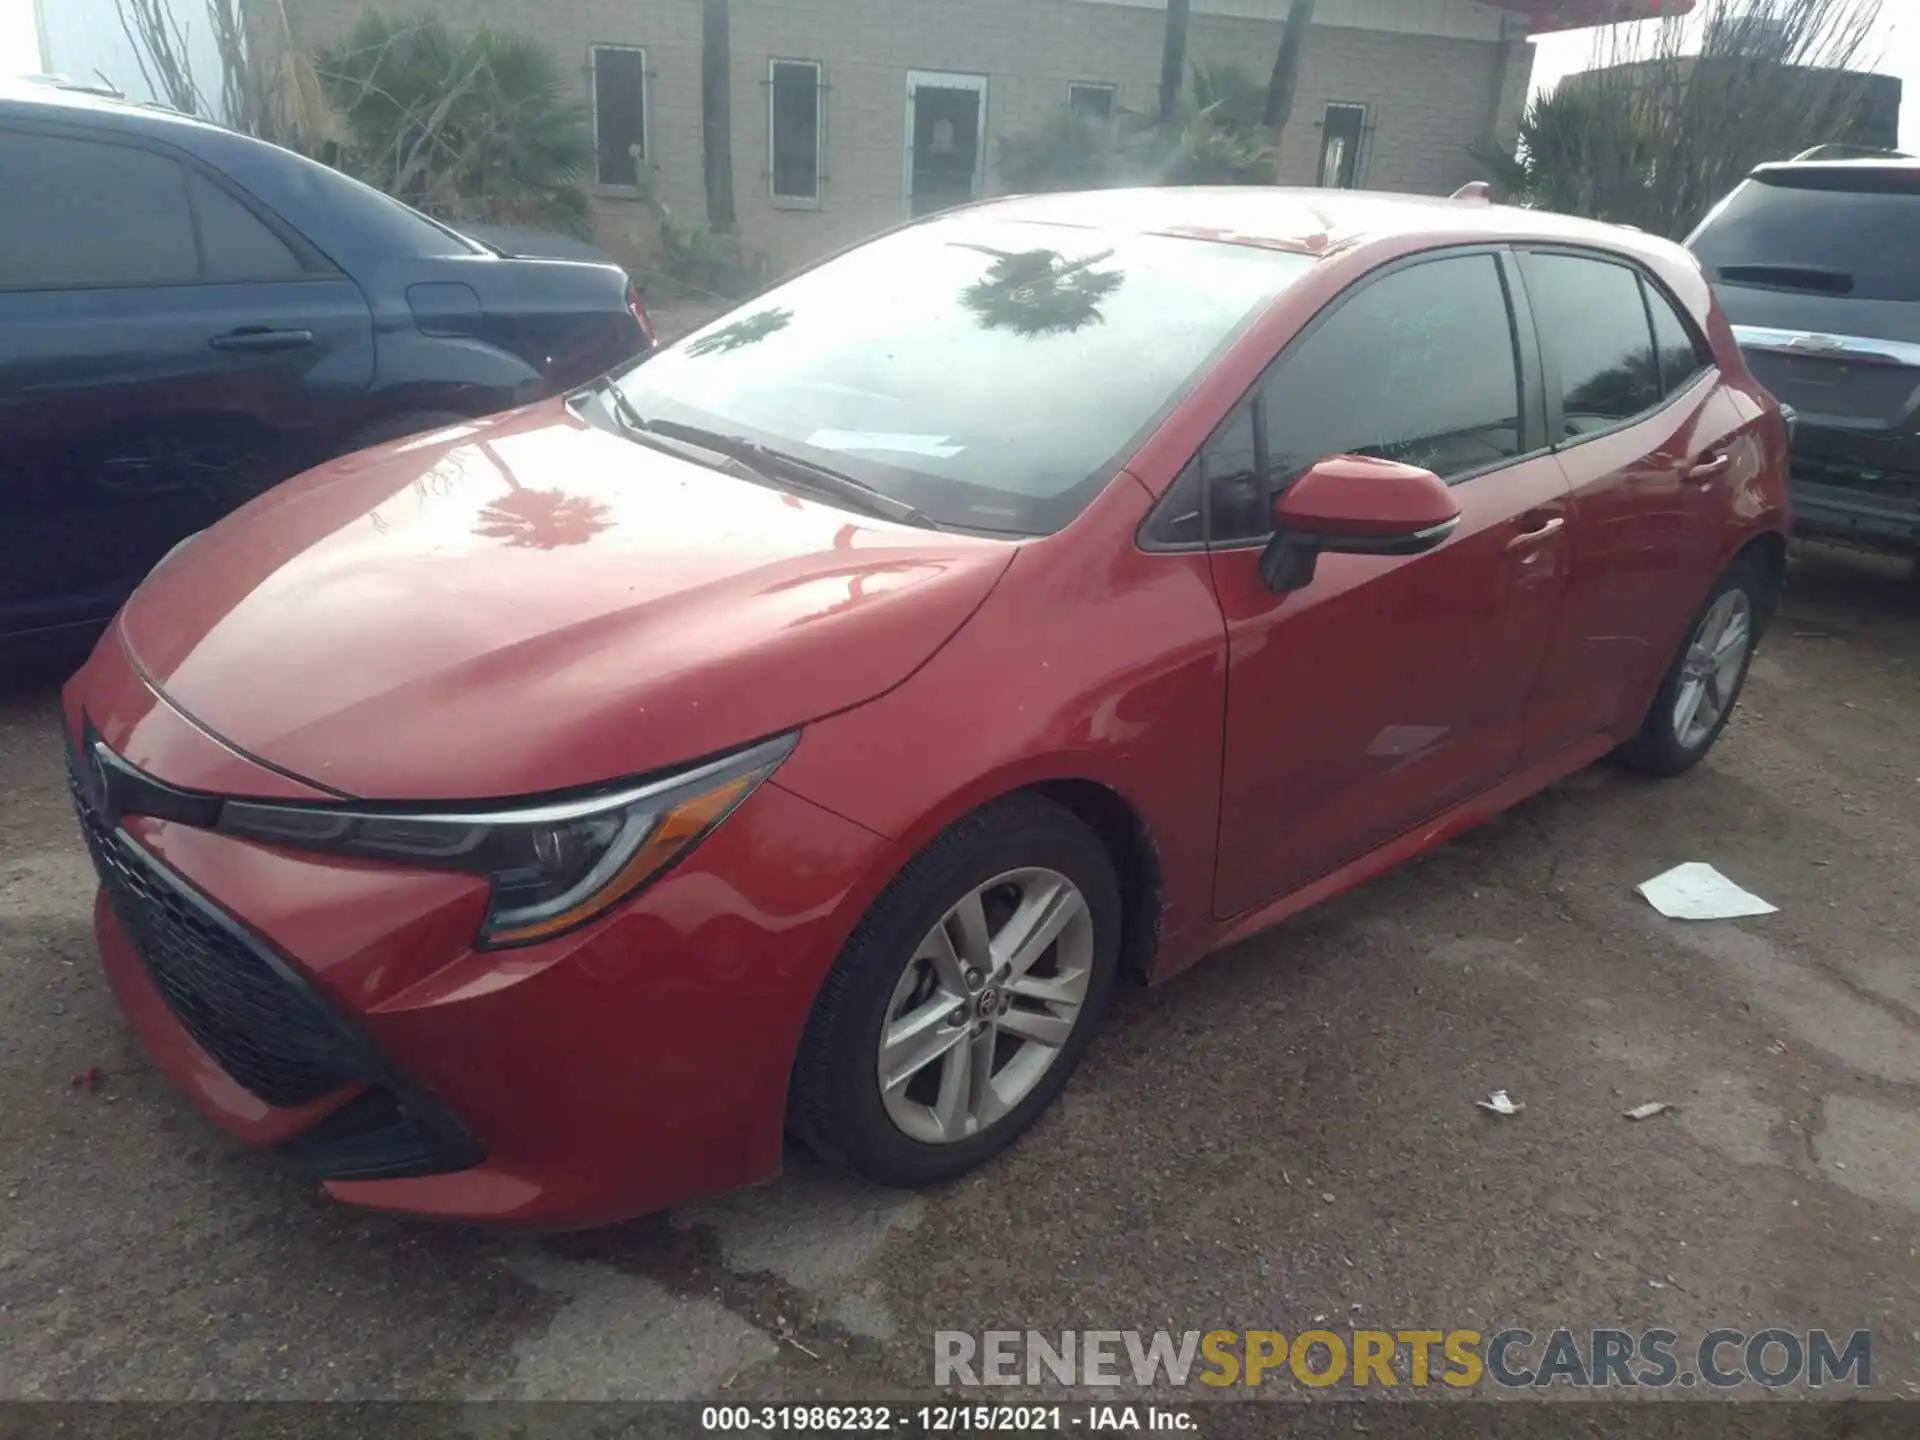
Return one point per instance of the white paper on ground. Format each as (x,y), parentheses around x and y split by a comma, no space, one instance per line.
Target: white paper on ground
(934,447)
(1697,891)
(1500,1103)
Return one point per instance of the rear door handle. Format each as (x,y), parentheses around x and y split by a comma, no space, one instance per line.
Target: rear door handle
(1538,535)
(1709,467)
(257,338)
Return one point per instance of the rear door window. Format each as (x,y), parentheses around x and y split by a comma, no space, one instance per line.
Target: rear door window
(68,209)
(1595,338)
(1796,237)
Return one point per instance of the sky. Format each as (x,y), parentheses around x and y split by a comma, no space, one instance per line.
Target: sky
(1897,48)
(1894,50)
(19,42)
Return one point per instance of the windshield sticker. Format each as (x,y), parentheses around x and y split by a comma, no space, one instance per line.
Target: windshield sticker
(935,447)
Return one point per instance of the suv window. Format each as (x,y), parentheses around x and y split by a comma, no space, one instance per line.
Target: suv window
(1682,356)
(234,243)
(1594,330)
(68,203)
(1417,366)
(1783,235)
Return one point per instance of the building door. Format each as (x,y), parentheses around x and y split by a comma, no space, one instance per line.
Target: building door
(946,140)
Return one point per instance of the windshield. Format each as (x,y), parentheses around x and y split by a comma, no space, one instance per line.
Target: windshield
(992,374)
(1856,243)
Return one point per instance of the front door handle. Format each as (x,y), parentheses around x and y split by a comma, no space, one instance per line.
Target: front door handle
(256,339)
(1710,467)
(1538,535)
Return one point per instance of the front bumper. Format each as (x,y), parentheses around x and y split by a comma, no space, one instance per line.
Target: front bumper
(336,1009)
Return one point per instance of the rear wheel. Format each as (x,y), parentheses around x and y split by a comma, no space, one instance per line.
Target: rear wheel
(1697,695)
(964,999)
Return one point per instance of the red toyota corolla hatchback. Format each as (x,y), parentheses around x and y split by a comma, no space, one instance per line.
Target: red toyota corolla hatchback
(801,731)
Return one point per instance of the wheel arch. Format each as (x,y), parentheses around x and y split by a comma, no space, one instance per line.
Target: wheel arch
(1129,843)
(1769,551)
(1118,823)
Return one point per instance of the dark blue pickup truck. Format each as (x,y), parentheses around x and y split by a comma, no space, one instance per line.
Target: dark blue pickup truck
(188,316)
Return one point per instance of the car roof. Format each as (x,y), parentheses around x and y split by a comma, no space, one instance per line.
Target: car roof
(54,98)
(1314,222)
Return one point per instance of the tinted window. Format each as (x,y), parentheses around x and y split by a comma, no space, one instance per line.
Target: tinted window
(993,373)
(1593,328)
(795,119)
(82,213)
(1681,355)
(373,220)
(1822,241)
(1417,366)
(1178,521)
(1091,102)
(1230,469)
(1340,136)
(234,243)
(619,113)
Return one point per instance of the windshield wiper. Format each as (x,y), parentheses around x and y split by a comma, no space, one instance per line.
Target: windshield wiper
(807,474)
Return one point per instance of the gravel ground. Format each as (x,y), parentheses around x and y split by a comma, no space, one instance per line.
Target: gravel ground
(1287,1133)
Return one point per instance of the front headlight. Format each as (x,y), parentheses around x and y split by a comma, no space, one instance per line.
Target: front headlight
(553,864)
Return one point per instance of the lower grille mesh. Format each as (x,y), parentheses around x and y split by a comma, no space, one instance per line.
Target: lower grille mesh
(261,1026)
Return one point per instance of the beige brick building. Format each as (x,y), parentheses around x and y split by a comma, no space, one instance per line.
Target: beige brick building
(850,115)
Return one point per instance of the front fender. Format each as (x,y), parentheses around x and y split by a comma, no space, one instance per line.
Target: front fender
(1086,663)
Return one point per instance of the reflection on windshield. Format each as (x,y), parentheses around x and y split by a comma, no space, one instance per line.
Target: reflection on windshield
(748,331)
(989,373)
(1040,292)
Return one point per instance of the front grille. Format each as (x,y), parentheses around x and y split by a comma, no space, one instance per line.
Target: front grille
(262,1025)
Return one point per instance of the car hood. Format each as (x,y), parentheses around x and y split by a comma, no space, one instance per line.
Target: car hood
(528,604)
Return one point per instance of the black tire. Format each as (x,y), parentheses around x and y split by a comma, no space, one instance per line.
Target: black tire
(1659,749)
(398,427)
(835,1103)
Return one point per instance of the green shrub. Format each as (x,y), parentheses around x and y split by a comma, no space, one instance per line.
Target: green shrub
(474,127)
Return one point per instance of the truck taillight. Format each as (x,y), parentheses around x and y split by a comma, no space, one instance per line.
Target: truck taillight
(637,309)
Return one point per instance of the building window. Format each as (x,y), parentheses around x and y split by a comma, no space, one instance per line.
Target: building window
(794,129)
(1341,134)
(1091,101)
(619,113)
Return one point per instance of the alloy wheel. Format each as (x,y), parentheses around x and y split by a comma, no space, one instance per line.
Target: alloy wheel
(985,1004)
(1711,670)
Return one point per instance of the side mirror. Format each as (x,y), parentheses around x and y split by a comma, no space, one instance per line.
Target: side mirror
(1354,505)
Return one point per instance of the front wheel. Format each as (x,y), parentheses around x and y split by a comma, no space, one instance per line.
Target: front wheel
(964,999)
(1697,695)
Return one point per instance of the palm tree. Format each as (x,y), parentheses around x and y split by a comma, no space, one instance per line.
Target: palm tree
(716,112)
(1286,68)
(1040,292)
(1173,57)
(741,333)
(471,128)
(539,519)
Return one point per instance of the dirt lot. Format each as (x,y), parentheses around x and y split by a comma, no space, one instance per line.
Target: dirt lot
(1285,1136)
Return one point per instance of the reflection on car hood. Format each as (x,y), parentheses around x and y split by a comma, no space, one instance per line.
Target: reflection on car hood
(529,604)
